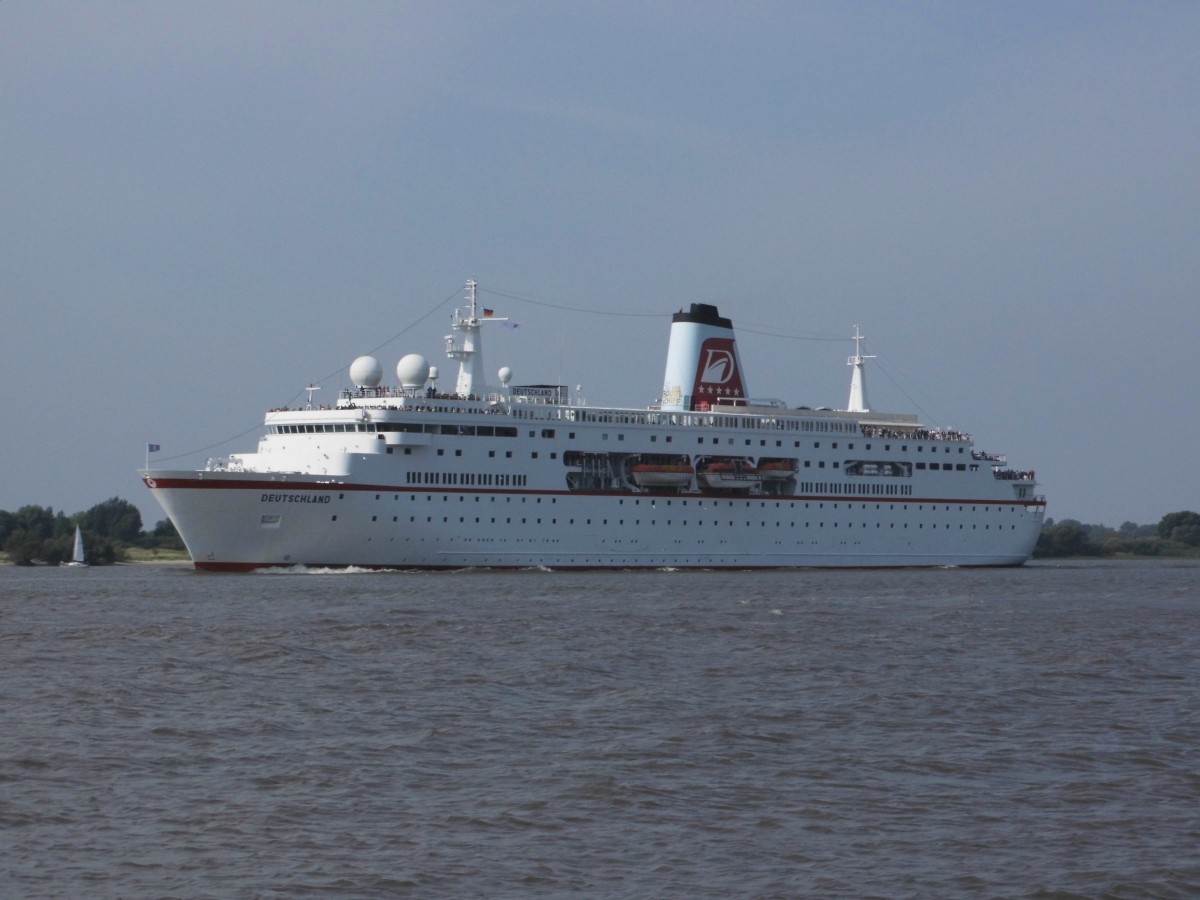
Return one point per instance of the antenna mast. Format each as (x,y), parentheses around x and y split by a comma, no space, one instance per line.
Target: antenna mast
(469,349)
(858,383)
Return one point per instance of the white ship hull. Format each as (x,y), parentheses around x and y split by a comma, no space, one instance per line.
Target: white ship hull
(413,479)
(238,522)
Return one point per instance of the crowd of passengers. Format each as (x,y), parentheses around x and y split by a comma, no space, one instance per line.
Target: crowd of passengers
(915,434)
(1013,475)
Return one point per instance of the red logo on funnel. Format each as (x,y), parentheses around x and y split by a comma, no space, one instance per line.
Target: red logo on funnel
(717,372)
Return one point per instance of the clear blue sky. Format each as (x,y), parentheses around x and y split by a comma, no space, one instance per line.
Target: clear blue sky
(206,206)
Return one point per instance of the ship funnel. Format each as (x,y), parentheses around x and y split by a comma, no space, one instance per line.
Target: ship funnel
(702,360)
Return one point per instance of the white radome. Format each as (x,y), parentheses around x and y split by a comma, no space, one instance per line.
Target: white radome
(366,372)
(413,371)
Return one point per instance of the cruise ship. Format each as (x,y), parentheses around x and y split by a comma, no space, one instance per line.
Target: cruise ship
(421,476)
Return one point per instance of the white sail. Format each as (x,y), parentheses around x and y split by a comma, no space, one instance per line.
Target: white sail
(77,557)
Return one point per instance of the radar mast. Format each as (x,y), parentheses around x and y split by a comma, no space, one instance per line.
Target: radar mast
(858,383)
(469,349)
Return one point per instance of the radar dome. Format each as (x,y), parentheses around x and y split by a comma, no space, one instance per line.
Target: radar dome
(413,371)
(505,374)
(366,372)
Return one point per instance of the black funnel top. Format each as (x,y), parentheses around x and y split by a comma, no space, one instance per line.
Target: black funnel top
(702,314)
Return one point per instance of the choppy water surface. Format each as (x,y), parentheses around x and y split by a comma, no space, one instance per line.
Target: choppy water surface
(930,733)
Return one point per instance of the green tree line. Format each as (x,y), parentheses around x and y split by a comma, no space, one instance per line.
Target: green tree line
(1176,534)
(37,534)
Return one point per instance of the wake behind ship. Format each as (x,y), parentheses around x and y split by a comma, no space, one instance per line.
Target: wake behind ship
(518,476)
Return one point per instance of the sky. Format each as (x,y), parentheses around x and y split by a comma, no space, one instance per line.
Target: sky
(209,206)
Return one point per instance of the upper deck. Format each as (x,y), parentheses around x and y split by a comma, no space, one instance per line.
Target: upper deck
(390,405)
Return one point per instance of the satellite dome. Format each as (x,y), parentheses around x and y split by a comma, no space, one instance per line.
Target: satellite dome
(366,372)
(413,371)
(505,374)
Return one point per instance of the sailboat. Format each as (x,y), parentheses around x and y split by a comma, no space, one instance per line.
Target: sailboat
(77,555)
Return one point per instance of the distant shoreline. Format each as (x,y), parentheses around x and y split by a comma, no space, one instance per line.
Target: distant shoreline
(174,561)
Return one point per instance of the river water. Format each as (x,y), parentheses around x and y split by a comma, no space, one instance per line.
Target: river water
(1001,733)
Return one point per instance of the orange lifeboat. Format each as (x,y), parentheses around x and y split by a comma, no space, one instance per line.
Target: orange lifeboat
(670,473)
(729,474)
(776,469)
